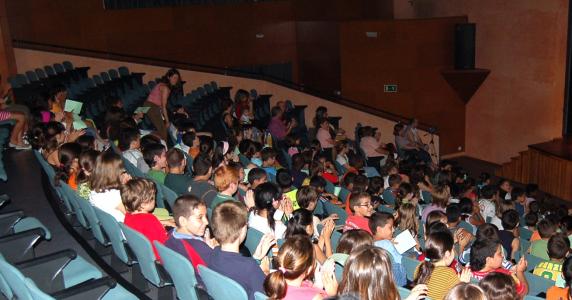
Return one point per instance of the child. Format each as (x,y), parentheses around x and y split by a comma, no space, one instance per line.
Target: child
(466,291)
(434,271)
(307,198)
(229,225)
(296,266)
(190,237)
(539,248)
(226,182)
(87,164)
(500,286)
(284,181)
(191,140)
(566,227)
(367,274)
(558,246)
(138,197)
(342,150)
(297,171)
(246,117)
(292,142)
(354,240)
(360,205)
(441,196)
(407,219)
(256,177)
(156,157)
(130,144)
(267,199)
(486,258)
(487,203)
(176,179)
(519,198)
(390,194)
(108,176)
(200,186)
(301,223)
(268,156)
(381,227)
(508,235)
(556,292)
(68,157)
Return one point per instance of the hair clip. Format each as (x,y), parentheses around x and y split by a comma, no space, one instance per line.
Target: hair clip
(282,269)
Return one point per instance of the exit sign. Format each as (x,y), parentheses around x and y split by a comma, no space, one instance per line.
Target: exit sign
(390,88)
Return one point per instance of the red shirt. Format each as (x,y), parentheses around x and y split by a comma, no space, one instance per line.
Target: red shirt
(520,287)
(356,222)
(148,225)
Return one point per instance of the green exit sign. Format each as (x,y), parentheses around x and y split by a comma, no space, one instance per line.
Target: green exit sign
(390,88)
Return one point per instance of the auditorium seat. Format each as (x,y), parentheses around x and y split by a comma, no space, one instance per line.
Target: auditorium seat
(221,287)
(181,271)
(537,284)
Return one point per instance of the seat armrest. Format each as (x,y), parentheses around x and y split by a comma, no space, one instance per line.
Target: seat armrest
(47,271)
(92,289)
(19,247)
(8,220)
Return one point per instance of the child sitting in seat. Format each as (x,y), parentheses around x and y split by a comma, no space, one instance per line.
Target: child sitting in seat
(156,157)
(558,248)
(539,248)
(229,225)
(176,179)
(268,156)
(138,197)
(130,144)
(87,165)
(360,204)
(381,227)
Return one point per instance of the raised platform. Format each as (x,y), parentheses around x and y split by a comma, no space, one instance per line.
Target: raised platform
(561,148)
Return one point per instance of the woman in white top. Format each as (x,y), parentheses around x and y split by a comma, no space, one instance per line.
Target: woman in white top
(342,150)
(105,182)
(266,217)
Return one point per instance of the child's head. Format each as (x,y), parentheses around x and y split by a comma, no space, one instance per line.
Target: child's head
(489,192)
(518,195)
(138,195)
(499,286)
(300,223)
(368,274)
(348,181)
(453,213)
(256,177)
(284,179)
(206,146)
(360,184)
(295,259)
(394,181)
(176,159)
(530,219)
(407,218)
(155,156)
(319,183)
(353,241)
(441,196)
(298,162)
(438,248)
(87,142)
(267,198)
(546,229)
(531,190)
(436,216)
(466,291)
(108,172)
(466,206)
(405,192)
(68,155)
(487,232)
(202,166)
(534,207)
(307,197)
(190,214)
(381,225)
(558,246)
(486,255)
(341,147)
(229,221)
(510,219)
(87,161)
(226,179)
(356,161)
(567,272)
(268,156)
(360,204)
(129,138)
(375,186)
(566,224)
(190,139)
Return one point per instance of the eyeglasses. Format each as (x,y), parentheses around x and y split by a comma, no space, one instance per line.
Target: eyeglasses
(366,205)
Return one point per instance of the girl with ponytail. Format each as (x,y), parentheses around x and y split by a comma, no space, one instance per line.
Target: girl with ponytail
(267,197)
(434,271)
(296,266)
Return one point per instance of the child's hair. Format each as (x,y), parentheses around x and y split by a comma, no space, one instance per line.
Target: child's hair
(437,244)
(150,151)
(67,153)
(567,273)
(148,140)
(466,206)
(295,258)
(228,219)
(267,153)
(516,192)
(107,172)
(566,224)
(503,206)
(394,179)
(558,246)
(368,274)
(201,166)
(488,191)
(499,286)
(435,227)
(175,158)
(349,178)
(531,189)
(353,241)
(87,142)
(486,232)
(379,219)
(407,218)
(298,162)
(301,218)
(224,176)
(480,250)
(87,161)
(360,184)
(340,145)
(355,199)
(453,213)
(530,219)
(435,216)
(534,207)
(375,185)
(136,192)
(184,206)
(264,195)
(441,196)
(318,182)
(126,137)
(466,291)
(283,178)
(188,138)
(305,196)
(510,219)
(206,146)
(256,174)
(546,228)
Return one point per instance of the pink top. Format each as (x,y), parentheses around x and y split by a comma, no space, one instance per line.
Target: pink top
(324,137)
(303,292)
(369,144)
(155,95)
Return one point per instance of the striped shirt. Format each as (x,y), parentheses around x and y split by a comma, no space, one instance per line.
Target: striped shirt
(441,281)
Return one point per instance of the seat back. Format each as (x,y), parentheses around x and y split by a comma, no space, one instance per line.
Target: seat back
(93,221)
(68,65)
(334,209)
(181,271)
(537,284)
(221,287)
(73,199)
(143,251)
(15,281)
(36,293)
(260,296)
(115,235)
(525,233)
(410,265)
(388,197)
(344,195)
(252,240)
(403,292)
(532,261)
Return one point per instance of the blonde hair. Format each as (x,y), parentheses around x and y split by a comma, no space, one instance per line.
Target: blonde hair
(224,176)
(441,196)
(228,218)
(107,172)
(368,274)
(407,218)
(137,192)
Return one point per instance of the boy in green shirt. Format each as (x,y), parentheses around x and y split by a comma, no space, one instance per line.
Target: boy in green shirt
(558,246)
(156,157)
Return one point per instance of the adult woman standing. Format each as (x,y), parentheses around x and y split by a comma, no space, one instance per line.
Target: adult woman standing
(157,101)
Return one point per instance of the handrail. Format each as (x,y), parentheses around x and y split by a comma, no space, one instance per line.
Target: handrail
(228,71)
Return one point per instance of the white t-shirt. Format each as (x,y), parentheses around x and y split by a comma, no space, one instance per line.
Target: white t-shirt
(261,224)
(108,201)
(342,159)
(488,208)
